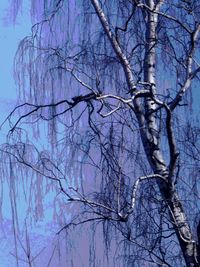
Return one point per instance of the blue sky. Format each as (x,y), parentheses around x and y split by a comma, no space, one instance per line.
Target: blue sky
(10,36)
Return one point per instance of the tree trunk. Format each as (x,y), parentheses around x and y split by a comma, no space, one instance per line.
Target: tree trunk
(150,141)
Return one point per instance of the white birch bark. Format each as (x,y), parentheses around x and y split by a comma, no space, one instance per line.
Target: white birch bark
(149,128)
(154,152)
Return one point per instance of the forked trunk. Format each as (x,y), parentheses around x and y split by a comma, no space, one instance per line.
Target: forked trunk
(154,154)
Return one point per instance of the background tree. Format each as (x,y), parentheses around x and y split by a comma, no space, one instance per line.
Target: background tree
(112,81)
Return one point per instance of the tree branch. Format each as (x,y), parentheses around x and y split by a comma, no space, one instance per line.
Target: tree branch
(115,44)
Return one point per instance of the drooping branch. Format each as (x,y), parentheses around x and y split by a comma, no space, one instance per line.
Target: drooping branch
(115,44)
(190,73)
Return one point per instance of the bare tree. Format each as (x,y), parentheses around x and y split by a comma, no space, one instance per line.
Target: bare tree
(113,80)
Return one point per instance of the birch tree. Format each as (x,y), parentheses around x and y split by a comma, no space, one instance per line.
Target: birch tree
(113,82)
